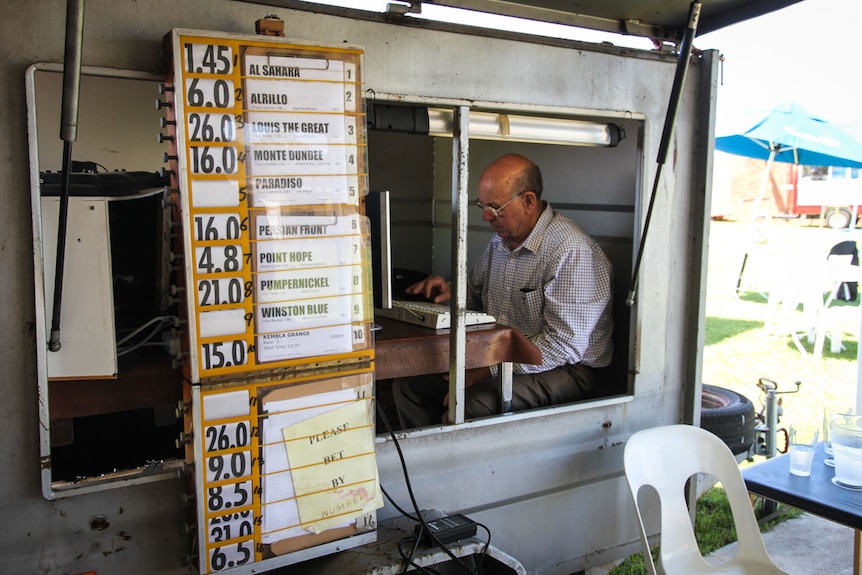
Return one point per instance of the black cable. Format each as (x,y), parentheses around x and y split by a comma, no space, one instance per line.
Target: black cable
(385,420)
(419,518)
(408,559)
(396,506)
(485,548)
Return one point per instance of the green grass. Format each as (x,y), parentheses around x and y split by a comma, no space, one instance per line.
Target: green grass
(738,351)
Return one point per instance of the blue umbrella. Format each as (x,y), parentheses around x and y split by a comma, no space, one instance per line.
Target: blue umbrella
(792,135)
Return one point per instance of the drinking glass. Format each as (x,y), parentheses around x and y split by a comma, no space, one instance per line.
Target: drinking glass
(829,412)
(846,432)
(803,439)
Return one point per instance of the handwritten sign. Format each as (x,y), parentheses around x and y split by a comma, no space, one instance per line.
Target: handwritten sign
(333,465)
(280,509)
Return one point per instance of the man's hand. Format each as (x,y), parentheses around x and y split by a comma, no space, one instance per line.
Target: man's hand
(433,288)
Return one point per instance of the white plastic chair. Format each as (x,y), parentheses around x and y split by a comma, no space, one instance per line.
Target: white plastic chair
(665,458)
(839,270)
(791,288)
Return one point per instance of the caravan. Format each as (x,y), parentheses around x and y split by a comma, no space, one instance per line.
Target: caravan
(158,455)
(831,193)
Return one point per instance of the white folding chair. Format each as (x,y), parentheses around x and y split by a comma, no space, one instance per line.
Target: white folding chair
(665,458)
(838,272)
(791,289)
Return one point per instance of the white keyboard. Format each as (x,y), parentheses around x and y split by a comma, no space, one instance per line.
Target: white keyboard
(427,314)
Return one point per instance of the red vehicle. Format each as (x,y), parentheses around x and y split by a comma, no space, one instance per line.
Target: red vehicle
(828,192)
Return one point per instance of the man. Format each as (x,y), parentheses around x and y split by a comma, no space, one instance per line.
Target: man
(542,275)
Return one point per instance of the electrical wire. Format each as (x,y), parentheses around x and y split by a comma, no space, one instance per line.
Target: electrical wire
(159,323)
(157,319)
(145,343)
(408,559)
(419,518)
(396,506)
(485,548)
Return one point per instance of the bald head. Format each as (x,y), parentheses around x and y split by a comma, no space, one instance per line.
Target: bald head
(513,173)
(510,190)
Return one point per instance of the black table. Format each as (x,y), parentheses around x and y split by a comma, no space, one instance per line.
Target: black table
(815,494)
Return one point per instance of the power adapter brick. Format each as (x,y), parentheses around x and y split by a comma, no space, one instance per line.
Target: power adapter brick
(446,529)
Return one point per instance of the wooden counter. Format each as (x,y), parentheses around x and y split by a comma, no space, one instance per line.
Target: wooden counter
(403,350)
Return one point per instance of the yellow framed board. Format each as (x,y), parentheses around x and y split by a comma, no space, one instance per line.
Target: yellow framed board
(268,171)
(285,471)
(268,165)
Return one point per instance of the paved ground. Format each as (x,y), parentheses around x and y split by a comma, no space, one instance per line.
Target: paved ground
(806,545)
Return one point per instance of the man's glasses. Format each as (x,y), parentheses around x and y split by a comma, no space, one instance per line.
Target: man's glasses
(495,212)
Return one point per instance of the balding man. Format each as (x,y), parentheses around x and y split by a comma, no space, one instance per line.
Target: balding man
(541,274)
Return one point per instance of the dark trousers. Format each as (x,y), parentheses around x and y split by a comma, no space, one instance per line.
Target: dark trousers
(419,399)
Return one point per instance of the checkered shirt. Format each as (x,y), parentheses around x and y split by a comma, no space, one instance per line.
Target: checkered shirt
(555,289)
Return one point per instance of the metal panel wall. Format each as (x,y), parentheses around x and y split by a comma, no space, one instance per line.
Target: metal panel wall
(559,473)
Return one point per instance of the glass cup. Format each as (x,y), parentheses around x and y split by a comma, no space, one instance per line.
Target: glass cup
(828,414)
(803,440)
(846,433)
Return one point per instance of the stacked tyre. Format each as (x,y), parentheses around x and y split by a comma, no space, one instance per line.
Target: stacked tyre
(729,415)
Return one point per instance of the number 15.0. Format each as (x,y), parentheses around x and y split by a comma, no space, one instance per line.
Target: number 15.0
(213,354)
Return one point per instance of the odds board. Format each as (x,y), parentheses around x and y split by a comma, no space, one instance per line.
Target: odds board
(269,162)
(268,174)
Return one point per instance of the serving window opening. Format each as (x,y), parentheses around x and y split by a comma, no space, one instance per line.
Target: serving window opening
(595,183)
